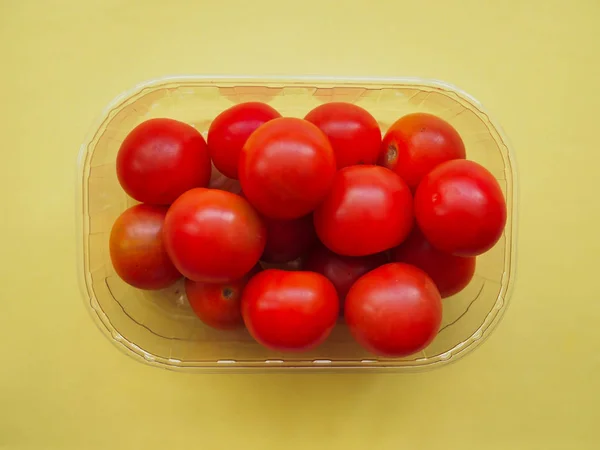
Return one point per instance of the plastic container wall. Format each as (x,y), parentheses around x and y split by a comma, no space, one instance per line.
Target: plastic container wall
(160,328)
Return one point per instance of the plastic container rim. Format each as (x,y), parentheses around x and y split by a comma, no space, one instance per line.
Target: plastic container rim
(139,354)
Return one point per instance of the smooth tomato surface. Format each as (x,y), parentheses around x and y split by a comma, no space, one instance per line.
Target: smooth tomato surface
(288,239)
(230,130)
(289,311)
(160,159)
(369,209)
(286,168)
(218,305)
(137,251)
(352,131)
(460,208)
(394,310)
(416,143)
(342,271)
(213,236)
(451,274)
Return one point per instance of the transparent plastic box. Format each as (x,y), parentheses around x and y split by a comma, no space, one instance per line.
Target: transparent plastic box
(158,327)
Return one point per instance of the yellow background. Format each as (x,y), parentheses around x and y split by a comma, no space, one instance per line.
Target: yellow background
(535,384)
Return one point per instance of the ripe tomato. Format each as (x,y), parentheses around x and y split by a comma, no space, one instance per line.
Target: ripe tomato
(286,168)
(417,143)
(213,236)
(137,251)
(353,133)
(218,305)
(230,130)
(460,208)
(160,159)
(288,239)
(394,310)
(289,311)
(342,271)
(451,274)
(368,210)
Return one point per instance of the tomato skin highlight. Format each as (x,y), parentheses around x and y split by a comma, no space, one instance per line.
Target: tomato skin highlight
(213,236)
(460,208)
(450,273)
(369,209)
(394,310)
(230,130)
(160,159)
(289,311)
(353,132)
(137,251)
(286,168)
(417,143)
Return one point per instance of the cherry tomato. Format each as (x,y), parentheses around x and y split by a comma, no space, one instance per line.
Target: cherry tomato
(137,251)
(161,159)
(213,236)
(342,271)
(451,274)
(288,239)
(460,208)
(230,130)
(289,311)
(417,143)
(353,133)
(218,305)
(286,168)
(394,310)
(368,210)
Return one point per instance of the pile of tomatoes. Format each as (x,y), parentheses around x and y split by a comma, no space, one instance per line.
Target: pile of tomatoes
(333,222)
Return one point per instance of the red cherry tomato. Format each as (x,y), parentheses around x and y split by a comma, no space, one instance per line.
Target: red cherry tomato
(368,210)
(353,132)
(289,311)
(230,130)
(394,310)
(460,208)
(288,239)
(161,159)
(137,251)
(218,305)
(213,236)
(417,143)
(451,274)
(342,271)
(286,168)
